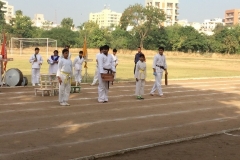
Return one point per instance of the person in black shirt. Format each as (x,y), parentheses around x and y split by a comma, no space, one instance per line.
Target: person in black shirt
(137,56)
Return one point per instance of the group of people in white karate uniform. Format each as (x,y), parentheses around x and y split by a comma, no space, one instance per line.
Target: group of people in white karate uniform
(62,66)
(159,66)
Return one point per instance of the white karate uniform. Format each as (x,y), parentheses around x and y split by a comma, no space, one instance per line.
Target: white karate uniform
(140,74)
(65,73)
(77,64)
(158,61)
(106,62)
(53,67)
(36,66)
(115,59)
(95,78)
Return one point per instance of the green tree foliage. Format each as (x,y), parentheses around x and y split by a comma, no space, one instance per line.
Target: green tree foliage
(2,19)
(142,18)
(63,35)
(67,23)
(146,32)
(22,26)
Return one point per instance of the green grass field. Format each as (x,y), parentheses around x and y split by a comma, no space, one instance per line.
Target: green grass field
(178,66)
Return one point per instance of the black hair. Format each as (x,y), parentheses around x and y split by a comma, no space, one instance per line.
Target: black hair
(67,46)
(37,49)
(101,48)
(114,50)
(162,48)
(55,51)
(105,47)
(140,47)
(81,52)
(142,55)
(64,50)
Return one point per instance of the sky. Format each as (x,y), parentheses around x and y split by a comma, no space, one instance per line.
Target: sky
(78,10)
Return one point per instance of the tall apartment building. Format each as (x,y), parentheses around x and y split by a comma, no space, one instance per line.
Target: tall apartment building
(9,11)
(105,18)
(232,17)
(170,7)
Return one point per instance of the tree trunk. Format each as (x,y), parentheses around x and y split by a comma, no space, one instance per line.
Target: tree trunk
(141,43)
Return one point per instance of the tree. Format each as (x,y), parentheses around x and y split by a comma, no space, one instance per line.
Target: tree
(143,19)
(67,23)
(63,35)
(157,37)
(2,18)
(120,39)
(22,26)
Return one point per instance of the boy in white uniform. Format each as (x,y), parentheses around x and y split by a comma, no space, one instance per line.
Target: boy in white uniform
(36,60)
(77,64)
(69,54)
(95,79)
(115,60)
(105,64)
(64,75)
(53,63)
(140,75)
(159,66)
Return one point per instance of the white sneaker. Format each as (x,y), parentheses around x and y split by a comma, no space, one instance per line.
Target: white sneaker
(62,104)
(33,84)
(39,84)
(66,104)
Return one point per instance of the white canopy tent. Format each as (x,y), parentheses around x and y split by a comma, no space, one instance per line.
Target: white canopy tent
(21,41)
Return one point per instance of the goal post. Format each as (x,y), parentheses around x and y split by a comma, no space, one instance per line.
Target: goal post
(21,43)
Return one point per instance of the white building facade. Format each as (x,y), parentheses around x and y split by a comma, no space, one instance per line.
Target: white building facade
(9,11)
(106,18)
(170,8)
(39,21)
(210,24)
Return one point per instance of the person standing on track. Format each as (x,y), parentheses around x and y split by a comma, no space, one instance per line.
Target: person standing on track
(95,79)
(77,64)
(136,59)
(36,61)
(53,63)
(105,65)
(159,66)
(68,48)
(115,60)
(64,75)
(140,75)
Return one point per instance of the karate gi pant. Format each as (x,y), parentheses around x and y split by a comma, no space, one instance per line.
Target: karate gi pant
(140,87)
(78,76)
(35,75)
(95,79)
(158,84)
(64,89)
(102,89)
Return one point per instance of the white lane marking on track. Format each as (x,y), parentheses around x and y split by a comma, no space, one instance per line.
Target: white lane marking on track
(117,136)
(133,86)
(113,109)
(234,135)
(111,120)
(174,141)
(35,102)
(118,96)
